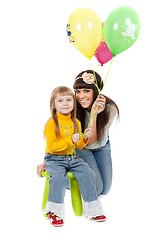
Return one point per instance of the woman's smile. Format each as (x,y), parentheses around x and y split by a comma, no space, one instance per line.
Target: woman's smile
(85,97)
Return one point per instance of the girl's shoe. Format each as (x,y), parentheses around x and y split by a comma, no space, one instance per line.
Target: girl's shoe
(101,218)
(54,220)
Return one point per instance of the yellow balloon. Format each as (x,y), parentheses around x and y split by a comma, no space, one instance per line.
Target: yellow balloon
(84,30)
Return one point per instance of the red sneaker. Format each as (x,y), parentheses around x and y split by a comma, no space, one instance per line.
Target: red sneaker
(54,220)
(101,218)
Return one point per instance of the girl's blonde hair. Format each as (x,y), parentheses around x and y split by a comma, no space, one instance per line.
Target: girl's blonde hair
(62,91)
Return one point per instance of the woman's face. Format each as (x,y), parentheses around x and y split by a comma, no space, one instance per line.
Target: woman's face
(85,97)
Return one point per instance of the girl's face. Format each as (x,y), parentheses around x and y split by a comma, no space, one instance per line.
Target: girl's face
(85,97)
(64,104)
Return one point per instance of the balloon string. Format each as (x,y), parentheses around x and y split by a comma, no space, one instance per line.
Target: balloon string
(99,89)
(99,92)
(93,117)
(98,65)
(102,70)
(108,71)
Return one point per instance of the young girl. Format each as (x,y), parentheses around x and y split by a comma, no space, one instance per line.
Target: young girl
(62,134)
(97,153)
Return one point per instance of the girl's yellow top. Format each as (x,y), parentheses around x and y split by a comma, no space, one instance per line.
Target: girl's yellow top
(62,145)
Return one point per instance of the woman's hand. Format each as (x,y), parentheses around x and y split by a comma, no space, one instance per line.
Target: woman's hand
(88,132)
(100,102)
(40,168)
(75,137)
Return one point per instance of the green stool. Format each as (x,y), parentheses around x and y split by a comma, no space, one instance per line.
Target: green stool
(75,193)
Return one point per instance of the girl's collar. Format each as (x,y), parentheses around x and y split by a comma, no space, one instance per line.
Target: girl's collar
(63,116)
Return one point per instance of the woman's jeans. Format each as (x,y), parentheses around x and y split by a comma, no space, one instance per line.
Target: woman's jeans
(99,160)
(57,167)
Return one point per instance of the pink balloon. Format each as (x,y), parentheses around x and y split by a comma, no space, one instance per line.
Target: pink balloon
(103,54)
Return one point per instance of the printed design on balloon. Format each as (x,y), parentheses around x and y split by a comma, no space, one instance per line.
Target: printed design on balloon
(69,33)
(130,30)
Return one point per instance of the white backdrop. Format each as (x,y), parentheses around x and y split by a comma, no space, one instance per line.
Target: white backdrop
(35,57)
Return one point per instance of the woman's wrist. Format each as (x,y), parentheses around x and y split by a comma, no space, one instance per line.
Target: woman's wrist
(93,117)
(93,113)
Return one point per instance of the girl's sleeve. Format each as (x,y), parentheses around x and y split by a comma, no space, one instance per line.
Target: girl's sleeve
(53,143)
(81,143)
(113,113)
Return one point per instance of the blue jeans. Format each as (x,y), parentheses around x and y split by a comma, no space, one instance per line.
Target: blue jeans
(99,160)
(57,167)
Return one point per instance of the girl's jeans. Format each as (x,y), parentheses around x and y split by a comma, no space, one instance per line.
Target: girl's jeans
(99,160)
(57,167)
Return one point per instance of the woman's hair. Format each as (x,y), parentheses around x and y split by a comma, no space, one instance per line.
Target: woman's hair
(104,116)
(62,91)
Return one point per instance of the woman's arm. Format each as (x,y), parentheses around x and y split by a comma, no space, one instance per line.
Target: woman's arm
(100,102)
(113,113)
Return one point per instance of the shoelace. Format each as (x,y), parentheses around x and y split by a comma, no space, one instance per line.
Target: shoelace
(56,217)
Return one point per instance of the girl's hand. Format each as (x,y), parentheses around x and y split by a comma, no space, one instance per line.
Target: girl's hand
(88,132)
(100,102)
(75,137)
(40,168)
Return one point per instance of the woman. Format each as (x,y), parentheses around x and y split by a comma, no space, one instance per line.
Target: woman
(98,112)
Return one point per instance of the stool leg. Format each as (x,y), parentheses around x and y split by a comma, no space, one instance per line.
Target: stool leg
(45,195)
(76,197)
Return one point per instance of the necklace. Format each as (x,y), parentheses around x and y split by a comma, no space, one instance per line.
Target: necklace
(66,127)
(66,132)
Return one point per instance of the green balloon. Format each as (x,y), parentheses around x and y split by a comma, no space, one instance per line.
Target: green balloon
(121,29)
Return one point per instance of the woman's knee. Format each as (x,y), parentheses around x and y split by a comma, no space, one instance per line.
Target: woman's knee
(90,174)
(99,188)
(106,189)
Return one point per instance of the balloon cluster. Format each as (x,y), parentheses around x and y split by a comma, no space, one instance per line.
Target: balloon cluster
(91,37)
